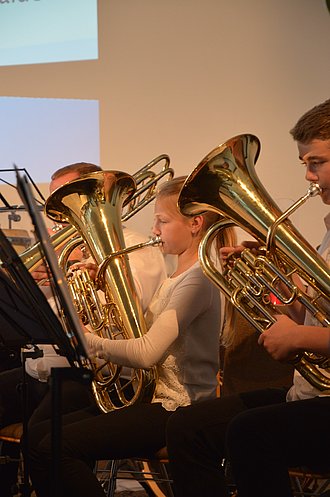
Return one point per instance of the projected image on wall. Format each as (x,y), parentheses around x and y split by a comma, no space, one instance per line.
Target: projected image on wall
(41,135)
(41,31)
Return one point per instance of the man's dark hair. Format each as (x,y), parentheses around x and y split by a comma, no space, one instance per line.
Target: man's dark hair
(79,167)
(313,125)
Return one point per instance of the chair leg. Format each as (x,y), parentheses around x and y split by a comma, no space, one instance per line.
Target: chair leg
(106,472)
(308,484)
(113,468)
(153,477)
(151,474)
(13,478)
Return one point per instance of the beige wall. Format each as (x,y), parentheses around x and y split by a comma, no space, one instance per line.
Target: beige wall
(181,76)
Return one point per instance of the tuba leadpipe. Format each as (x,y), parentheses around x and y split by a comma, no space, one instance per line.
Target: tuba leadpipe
(225,182)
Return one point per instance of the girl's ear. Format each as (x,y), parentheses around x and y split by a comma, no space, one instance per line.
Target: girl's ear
(196,223)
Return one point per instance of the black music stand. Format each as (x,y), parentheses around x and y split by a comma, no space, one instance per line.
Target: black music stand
(28,319)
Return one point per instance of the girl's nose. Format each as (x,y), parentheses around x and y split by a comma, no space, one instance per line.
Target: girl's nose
(155,229)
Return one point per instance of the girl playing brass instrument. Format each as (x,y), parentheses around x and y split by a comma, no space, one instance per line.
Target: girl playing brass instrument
(182,342)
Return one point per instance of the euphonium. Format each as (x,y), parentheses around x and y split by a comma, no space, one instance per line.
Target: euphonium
(93,205)
(225,182)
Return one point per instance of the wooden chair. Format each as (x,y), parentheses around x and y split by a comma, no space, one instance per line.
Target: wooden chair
(12,434)
(306,483)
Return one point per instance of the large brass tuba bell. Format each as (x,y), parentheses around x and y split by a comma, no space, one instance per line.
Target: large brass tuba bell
(93,205)
(225,182)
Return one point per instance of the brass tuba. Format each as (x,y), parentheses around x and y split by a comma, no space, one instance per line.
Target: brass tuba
(147,179)
(225,182)
(93,205)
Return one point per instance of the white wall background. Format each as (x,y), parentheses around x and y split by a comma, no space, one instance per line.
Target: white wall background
(181,76)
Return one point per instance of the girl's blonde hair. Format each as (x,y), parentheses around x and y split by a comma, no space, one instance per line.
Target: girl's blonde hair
(225,238)
(173,187)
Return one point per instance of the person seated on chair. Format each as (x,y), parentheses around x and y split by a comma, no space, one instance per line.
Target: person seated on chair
(147,265)
(182,342)
(148,270)
(263,433)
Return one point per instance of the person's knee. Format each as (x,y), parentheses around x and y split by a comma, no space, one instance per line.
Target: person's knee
(188,434)
(241,433)
(183,431)
(178,425)
(39,443)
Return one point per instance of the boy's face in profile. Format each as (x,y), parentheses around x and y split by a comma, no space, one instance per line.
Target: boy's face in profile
(315,155)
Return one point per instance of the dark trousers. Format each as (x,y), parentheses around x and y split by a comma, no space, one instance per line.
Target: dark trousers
(87,436)
(196,441)
(13,410)
(38,406)
(264,442)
